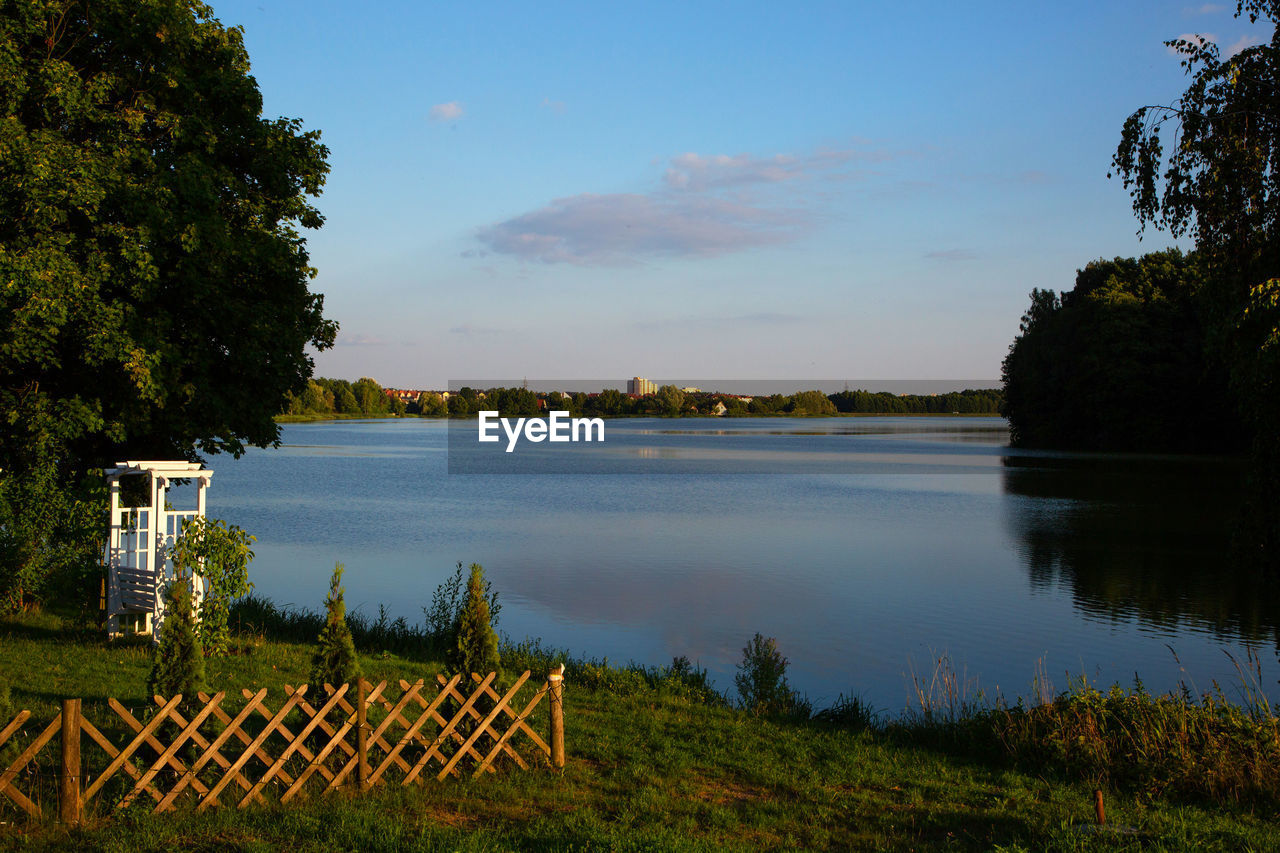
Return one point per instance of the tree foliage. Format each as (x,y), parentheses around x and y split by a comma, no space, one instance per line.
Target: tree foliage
(220,554)
(1119,363)
(154,297)
(1208,165)
(762,680)
(811,403)
(52,537)
(670,401)
(178,665)
(447,603)
(334,661)
(475,644)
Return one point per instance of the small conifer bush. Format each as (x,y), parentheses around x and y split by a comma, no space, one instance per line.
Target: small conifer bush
(475,645)
(335,659)
(178,666)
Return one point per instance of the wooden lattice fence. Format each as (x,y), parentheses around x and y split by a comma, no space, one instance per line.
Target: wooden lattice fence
(211,751)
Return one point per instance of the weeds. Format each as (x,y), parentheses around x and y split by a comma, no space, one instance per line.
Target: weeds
(1180,745)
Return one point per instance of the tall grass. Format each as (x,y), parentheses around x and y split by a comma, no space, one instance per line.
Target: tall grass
(1192,747)
(254,615)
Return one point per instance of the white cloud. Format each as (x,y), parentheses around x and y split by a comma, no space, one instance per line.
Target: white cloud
(451,111)
(1243,43)
(620,228)
(702,209)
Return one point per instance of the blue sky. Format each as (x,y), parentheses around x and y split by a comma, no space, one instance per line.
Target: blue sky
(730,190)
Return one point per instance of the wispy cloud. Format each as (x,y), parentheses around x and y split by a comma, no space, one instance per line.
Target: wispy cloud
(1206,9)
(556,107)
(706,205)
(696,172)
(451,111)
(353,340)
(1244,43)
(950,255)
(620,228)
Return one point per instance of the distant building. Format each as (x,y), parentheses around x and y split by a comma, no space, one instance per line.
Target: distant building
(691,390)
(641,386)
(405,395)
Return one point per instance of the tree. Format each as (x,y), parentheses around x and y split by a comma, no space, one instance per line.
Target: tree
(178,664)
(812,403)
(475,645)
(345,402)
(1220,183)
(334,661)
(670,401)
(155,300)
(431,405)
(370,398)
(1119,363)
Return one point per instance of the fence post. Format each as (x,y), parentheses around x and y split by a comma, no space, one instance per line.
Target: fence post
(555,684)
(69,778)
(362,734)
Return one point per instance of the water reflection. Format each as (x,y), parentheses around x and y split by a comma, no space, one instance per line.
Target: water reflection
(1139,536)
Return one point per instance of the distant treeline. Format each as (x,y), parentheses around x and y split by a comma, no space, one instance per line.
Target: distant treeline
(670,401)
(366,398)
(362,398)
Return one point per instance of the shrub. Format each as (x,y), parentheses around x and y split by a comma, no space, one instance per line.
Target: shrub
(1206,749)
(220,554)
(335,659)
(475,645)
(446,607)
(762,680)
(178,665)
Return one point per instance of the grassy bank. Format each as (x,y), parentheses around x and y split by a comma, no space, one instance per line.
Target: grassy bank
(657,760)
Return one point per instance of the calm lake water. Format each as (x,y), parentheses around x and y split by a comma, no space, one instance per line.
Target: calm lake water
(894,541)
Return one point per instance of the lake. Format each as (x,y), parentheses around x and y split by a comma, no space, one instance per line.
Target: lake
(867,546)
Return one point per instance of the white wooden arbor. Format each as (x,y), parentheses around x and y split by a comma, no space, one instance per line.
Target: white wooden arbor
(138,565)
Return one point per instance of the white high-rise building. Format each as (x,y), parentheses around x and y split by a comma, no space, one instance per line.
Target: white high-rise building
(641,386)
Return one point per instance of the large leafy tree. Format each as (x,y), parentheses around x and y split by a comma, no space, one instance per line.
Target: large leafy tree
(1118,363)
(1218,180)
(154,297)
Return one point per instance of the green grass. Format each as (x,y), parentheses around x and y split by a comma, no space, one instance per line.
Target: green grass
(655,763)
